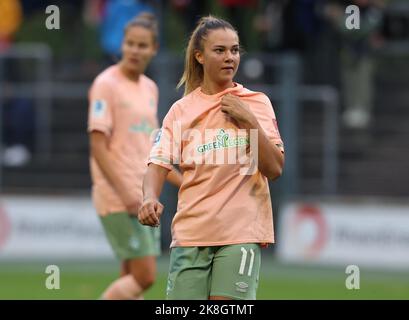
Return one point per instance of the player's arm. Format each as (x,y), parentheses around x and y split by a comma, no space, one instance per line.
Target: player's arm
(270,157)
(99,150)
(174,177)
(153,181)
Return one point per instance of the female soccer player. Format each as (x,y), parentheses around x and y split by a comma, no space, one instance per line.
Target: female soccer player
(224,212)
(122,115)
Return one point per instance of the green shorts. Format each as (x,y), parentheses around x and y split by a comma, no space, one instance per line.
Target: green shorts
(129,238)
(230,271)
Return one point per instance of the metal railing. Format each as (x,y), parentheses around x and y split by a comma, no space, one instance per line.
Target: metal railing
(288,92)
(328,96)
(39,90)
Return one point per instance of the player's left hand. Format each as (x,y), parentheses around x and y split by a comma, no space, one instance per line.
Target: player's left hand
(237,110)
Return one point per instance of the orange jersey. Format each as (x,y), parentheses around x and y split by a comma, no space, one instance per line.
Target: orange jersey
(125,111)
(218,204)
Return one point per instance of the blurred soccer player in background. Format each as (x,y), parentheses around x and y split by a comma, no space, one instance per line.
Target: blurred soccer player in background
(357,62)
(224,216)
(122,116)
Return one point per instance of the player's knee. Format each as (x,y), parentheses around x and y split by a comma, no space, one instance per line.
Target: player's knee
(150,280)
(145,280)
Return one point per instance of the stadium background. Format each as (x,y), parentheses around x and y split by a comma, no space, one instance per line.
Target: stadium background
(342,199)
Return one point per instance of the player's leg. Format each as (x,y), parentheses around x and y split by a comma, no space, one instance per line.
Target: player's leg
(118,290)
(124,268)
(143,271)
(124,288)
(189,273)
(235,272)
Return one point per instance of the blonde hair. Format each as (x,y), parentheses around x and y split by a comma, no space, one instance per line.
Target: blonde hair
(146,20)
(193,72)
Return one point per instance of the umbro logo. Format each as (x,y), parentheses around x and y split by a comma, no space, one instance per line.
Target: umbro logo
(241,286)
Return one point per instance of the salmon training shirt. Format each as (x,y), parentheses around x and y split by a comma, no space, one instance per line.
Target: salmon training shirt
(126,112)
(221,200)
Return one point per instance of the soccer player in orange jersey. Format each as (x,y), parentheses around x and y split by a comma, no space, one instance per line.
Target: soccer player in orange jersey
(224,213)
(122,116)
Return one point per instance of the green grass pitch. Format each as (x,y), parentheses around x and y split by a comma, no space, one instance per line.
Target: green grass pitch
(26,280)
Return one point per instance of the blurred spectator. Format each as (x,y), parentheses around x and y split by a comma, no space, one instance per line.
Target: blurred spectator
(116,14)
(269,23)
(93,11)
(304,32)
(241,13)
(17,119)
(18,133)
(11,17)
(302,25)
(296,27)
(189,11)
(395,25)
(357,65)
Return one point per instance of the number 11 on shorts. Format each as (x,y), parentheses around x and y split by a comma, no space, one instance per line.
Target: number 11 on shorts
(244,260)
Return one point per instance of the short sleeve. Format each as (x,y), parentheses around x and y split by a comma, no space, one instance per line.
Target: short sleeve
(268,121)
(101,101)
(165,148)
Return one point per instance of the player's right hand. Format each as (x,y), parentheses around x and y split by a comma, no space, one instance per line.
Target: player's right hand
(150,212)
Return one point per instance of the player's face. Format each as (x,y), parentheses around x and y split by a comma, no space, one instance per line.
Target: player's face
(138,48)
(221,56)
